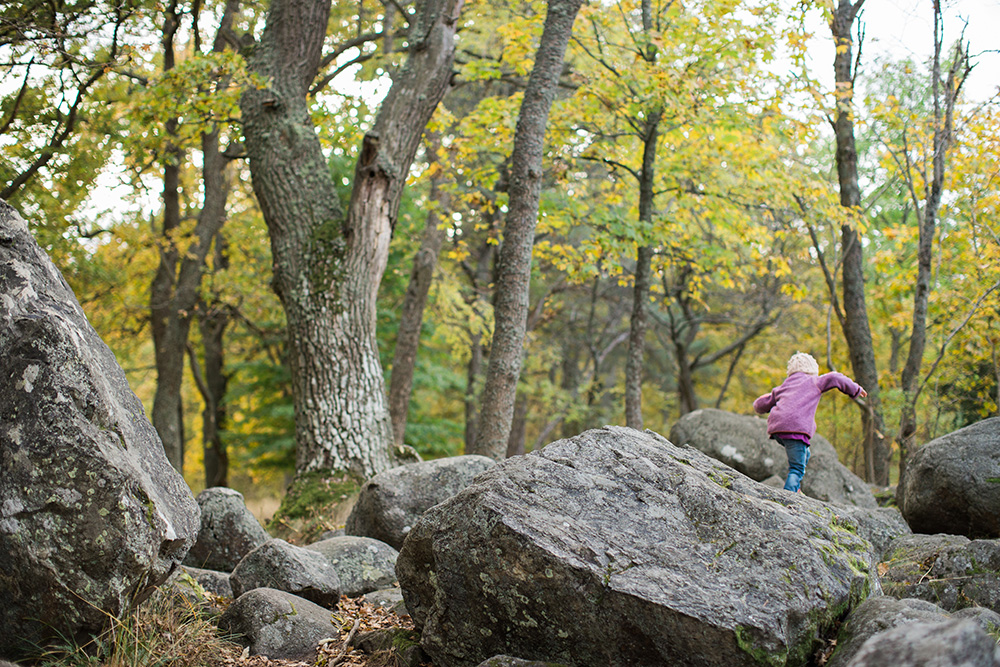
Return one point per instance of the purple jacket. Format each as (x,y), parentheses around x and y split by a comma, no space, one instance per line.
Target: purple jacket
(793,404)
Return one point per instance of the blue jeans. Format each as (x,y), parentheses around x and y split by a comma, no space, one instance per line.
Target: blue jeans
(798,458)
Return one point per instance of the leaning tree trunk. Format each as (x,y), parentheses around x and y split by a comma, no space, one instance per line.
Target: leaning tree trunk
(855,323)
(328,266)
(404,355)
(514,267)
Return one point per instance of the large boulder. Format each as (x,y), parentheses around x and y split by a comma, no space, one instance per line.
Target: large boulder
(947,643)
(92,516)
(879,526)
(286,567)
(391,501)
(878,614)
(952,484)
(949,570)
(229,531)
(277,624)
(616,547)
(363,565)
(742,442)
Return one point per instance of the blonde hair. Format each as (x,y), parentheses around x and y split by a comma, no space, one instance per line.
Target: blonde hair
(800,362)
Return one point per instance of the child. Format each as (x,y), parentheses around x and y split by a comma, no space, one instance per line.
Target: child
(792,408)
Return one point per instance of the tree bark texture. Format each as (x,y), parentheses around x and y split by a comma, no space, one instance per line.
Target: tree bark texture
(411,319)
(328,266)
(857,331)
(514,266)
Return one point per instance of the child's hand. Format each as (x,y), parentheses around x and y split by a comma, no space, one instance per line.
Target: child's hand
(862,393)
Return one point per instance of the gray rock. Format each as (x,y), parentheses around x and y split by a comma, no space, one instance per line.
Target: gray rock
(296,570)
(741,442)
(278,625)
(508,661)
(616,547)
(388,598)
(879,526)
(948,570)
(391,501)
(878,614)
(391,646)
(362,564)
(987,619)
(952,484)
(92,515)
(229,531)
(212,581)
(949,643)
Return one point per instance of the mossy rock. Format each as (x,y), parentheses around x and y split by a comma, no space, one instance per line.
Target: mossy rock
(314,503)
(885,496)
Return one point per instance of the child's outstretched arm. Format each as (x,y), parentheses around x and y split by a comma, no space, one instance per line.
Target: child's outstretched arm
(843,383)
(764,403)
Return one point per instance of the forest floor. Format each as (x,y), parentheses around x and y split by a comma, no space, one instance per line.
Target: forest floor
(355,618)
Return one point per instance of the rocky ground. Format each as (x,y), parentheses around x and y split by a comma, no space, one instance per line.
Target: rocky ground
(355,617)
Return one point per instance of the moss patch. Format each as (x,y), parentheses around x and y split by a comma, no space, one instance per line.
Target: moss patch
(315,502)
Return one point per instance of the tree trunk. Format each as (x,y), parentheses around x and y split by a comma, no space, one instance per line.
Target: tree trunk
(176,286)
(855,323)
(327,267)
(166,323)
(514,268)
(480,277)
(644,254)
(212,321)
(408,339)
(472,372)
(637,338)
(518,427)
(927,223)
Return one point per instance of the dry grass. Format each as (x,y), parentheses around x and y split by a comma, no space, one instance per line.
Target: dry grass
(171,630)
(168,629)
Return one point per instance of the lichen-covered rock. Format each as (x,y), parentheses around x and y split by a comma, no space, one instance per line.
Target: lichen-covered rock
(212,581)
(617,548)
(92,516)
(277,624)
(362,564)
(391,501)
(283,566)
(952,484)
(741,442)
(878,614)
(951,571)
(229,531)
(947,643)
(879,526)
